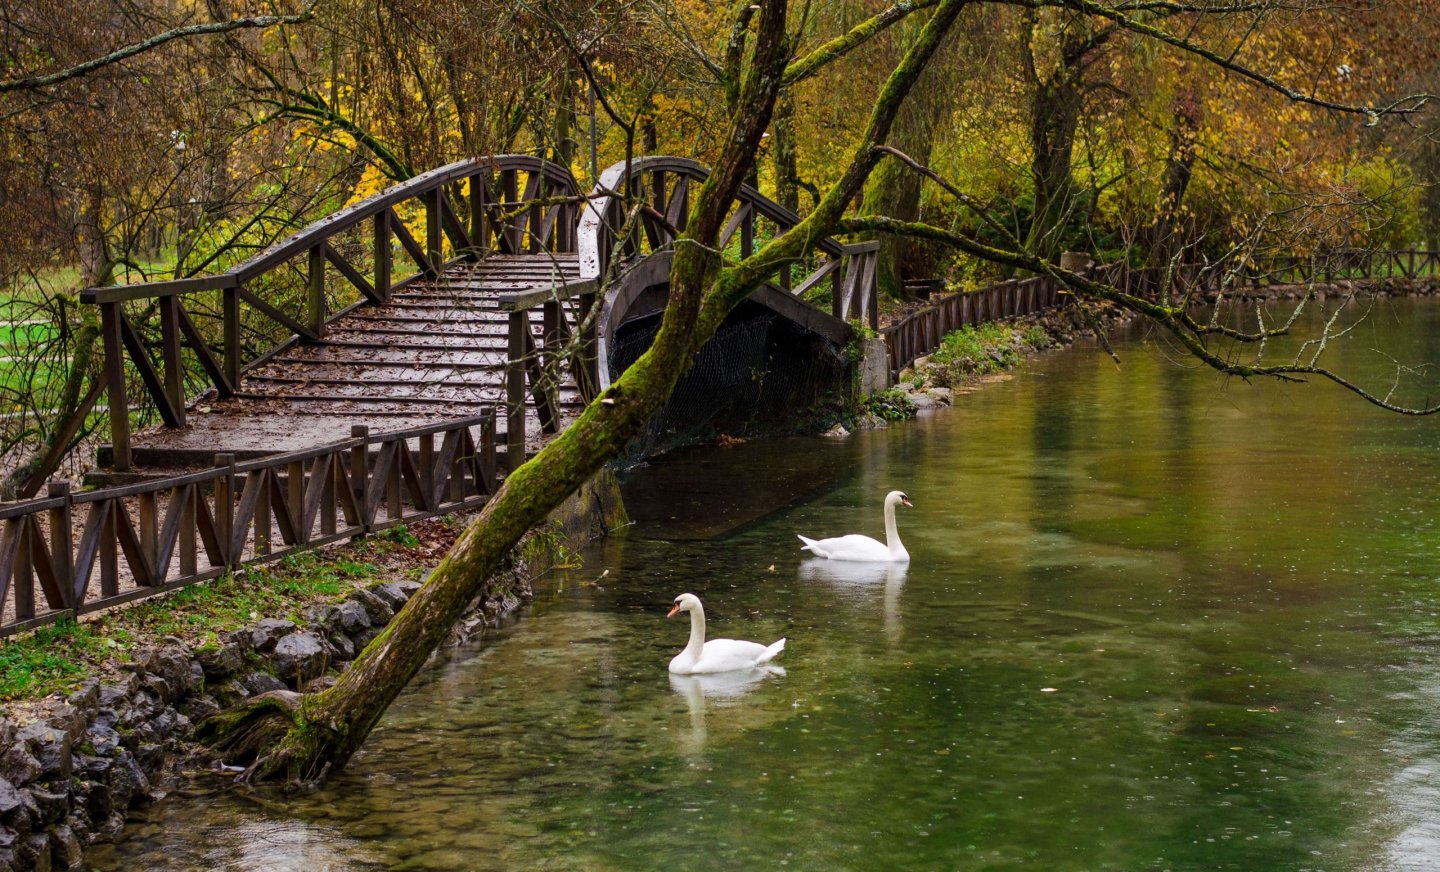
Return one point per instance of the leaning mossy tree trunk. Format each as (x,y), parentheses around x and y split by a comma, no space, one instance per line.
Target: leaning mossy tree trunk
(302,738)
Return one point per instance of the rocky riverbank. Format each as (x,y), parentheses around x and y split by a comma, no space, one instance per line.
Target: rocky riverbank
(80,760)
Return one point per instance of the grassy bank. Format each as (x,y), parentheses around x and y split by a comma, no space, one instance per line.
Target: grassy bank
(971,352)
(58,657)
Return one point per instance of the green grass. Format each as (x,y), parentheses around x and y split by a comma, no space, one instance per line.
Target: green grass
(889,405)
(52,658)
(57,657)
(988,348)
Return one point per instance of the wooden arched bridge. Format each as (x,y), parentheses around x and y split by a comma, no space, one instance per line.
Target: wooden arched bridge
(320,390)
(497,315)
(385,364)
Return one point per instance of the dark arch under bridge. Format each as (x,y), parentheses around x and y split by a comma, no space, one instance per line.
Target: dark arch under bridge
(323,334)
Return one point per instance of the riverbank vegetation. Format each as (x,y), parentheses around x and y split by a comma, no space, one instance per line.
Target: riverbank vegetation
(978,140)
(143,141)
(56,658)
(975,351)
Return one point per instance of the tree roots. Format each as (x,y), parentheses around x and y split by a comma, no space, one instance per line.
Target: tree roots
(270,736)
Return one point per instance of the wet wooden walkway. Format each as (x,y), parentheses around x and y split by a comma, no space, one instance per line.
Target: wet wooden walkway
(436,350)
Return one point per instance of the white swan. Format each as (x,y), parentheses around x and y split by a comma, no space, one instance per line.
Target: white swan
(857,547)
(717,655)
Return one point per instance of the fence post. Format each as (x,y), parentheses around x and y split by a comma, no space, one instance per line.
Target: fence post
(433,216)
(190,495)
(225,510)
(170,344)
(62,545)
(359,475)
(149,532)
(231,318)
(515,391)
(382,254)
(110,316)
(315,296)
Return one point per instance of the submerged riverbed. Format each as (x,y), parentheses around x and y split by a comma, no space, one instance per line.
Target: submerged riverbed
(1153,621)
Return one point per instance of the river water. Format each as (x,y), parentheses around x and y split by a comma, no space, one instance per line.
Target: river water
(1154,620)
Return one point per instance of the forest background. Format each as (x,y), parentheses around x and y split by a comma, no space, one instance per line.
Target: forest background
(238,124)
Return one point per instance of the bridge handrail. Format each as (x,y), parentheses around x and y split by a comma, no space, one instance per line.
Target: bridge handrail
(172,532)
(502,217)
(851,267)
(921,332)
(335,223)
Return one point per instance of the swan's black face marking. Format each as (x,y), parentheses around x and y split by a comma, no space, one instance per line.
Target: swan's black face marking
(905,501)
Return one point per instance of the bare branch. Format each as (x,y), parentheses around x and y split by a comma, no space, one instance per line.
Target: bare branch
(1404,106)
(33,83)
(804,68)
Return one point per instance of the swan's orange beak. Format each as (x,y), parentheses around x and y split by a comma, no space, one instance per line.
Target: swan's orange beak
(672,612)
(906,502)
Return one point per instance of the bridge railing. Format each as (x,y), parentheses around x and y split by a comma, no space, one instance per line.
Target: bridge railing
(96,549)
(291,292)
(535,370)
(1340,265)
(641,206)
(921,332)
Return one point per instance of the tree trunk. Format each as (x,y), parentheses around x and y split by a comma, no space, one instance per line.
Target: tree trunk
(894,189)
(304,738)
(1054,116)
(1166,235)
(1054,119)
(787,173)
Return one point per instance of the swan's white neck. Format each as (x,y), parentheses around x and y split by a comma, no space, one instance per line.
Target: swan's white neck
(697,634)
(892,535)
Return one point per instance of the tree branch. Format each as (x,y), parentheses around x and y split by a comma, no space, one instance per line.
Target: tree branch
(33,83)
(1171,318)
(1404,106)
(804,68)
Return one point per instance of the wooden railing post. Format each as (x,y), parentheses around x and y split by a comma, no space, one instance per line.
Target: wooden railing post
(383,254)
(359,475)
(225,509)
(315,296)
(587,379)
(62,545)
(515,390)
(231,318)
(295,496)
(433,231)
(174,374)
(115,387)
(479,223)
(148,510)
(871,288)
(509,199)
(486,479)
(189,495)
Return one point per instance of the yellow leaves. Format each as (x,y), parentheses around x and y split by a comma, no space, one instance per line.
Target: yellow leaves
(372,182)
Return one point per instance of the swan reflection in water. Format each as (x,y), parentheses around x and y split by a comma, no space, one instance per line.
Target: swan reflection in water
(719,690)
(854,581)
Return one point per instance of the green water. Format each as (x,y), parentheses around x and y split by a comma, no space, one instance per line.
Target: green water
(1153,621)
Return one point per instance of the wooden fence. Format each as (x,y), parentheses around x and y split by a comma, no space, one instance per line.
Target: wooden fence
(470,208)
(921,332)
(138,540)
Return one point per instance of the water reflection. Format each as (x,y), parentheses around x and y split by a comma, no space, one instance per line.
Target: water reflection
(719,689)
(857,580)
(1148,625)
(1413,793)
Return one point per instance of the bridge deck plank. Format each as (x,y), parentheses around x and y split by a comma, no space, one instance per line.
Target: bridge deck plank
(435,351)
